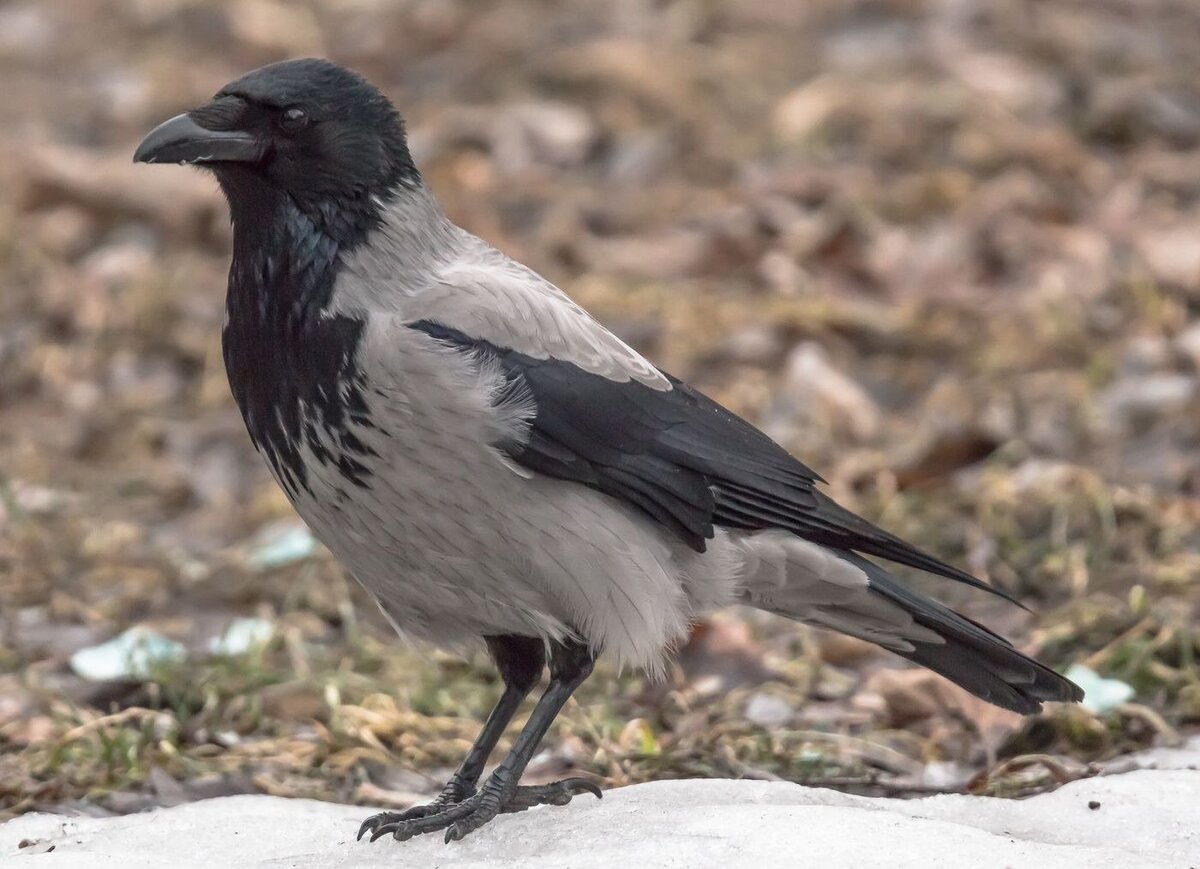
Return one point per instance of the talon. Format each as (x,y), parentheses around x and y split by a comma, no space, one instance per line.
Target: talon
(588,786)
(458,819)
(373,823)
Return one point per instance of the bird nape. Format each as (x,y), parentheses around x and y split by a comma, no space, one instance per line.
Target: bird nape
(494,466)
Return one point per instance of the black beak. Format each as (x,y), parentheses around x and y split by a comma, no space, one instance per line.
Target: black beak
(182,140)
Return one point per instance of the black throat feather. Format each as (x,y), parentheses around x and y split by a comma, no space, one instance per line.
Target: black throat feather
(291,362)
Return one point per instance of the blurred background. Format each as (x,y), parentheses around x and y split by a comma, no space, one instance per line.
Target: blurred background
(947,251)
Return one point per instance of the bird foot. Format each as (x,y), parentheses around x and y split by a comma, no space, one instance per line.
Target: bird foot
(452,794)
(463,817)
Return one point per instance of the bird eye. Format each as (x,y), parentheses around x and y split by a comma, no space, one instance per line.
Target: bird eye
(293,120)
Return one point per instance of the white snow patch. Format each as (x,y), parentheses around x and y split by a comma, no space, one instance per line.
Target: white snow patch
(1145,818)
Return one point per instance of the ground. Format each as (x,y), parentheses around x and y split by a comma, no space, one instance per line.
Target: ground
(946,252)
(1143,818)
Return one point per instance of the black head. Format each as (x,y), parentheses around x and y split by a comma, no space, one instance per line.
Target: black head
(310,130)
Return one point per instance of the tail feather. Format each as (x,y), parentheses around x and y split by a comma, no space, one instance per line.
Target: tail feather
(843,591)
(970,655)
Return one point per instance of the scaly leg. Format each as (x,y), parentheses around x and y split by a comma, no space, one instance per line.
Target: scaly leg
(520,661)
(570,665)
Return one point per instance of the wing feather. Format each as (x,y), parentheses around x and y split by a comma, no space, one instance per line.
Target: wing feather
(501,301)
(685,460)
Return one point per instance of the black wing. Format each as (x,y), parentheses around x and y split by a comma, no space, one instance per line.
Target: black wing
(679,456)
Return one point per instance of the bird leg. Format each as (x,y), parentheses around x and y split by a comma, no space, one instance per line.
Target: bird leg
(520,661)
(570,664)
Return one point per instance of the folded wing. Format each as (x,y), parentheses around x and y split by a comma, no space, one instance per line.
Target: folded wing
(685,460)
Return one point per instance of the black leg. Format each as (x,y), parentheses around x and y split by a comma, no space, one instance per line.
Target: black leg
(570,665)
(520,661)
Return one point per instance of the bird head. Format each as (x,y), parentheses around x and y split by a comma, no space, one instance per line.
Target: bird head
(308,129)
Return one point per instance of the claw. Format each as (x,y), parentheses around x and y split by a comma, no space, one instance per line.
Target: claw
(374,823)
(583,784)
(459,819)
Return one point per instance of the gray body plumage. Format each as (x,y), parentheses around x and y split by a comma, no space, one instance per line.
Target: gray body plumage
(456,542)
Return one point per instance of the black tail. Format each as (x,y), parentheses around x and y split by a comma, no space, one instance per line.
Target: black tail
(972,656)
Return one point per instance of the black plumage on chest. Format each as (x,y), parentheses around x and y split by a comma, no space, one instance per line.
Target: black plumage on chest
(292,363)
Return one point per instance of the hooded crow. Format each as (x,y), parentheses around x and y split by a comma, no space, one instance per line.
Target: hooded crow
(490,462)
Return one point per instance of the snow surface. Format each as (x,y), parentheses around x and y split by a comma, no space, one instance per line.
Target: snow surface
(1145,818)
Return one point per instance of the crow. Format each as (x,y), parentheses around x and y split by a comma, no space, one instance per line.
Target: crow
(492,464)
